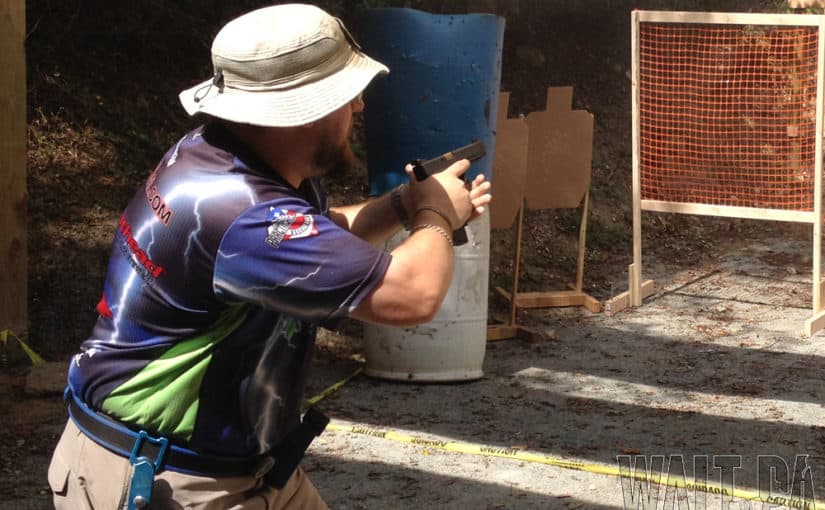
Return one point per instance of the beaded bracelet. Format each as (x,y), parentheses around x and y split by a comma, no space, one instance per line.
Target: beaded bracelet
(430,226)
(435,210)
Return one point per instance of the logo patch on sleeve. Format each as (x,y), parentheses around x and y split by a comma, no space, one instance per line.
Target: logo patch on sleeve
(284,225)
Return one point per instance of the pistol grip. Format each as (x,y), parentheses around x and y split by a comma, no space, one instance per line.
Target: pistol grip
(460,237)
(419,170)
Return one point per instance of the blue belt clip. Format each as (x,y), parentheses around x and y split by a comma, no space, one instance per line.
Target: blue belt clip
(143,476)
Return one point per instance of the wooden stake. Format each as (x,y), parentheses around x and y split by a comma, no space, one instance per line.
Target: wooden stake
(516,263)
(582,241)
(13,241)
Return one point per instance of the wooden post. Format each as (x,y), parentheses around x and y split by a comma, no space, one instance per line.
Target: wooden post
(582,240)
(516,265)
(817,321)
(817,233)
(637,289)
(635,270)
(13,256)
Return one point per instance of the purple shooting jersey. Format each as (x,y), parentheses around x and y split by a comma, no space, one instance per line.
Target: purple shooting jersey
(219,275)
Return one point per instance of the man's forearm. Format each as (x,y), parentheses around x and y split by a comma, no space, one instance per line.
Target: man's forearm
(375,220)
(417,279)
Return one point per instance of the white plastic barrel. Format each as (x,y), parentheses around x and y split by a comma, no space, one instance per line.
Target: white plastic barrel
(452,346)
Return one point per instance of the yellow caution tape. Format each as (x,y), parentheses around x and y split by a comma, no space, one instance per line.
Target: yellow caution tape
(590,467)
(665,479)
(33,356)
(332,389)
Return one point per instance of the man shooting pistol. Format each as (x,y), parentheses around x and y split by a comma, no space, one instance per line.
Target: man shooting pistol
(188,391)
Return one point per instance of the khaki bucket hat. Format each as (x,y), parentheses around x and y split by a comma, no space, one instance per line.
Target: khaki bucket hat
(284,65)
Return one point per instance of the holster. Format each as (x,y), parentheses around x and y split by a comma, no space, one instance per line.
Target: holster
(291,449)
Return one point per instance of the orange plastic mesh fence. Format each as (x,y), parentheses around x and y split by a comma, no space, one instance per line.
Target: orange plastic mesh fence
(727,114)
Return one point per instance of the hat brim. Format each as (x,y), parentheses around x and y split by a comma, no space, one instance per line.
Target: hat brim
(284,107)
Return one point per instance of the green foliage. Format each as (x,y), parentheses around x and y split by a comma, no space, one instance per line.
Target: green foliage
(782,6)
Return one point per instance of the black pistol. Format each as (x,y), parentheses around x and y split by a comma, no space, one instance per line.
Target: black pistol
(423,169)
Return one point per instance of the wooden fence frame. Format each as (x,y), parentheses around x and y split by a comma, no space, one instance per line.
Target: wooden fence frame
(638,289)
(13,241)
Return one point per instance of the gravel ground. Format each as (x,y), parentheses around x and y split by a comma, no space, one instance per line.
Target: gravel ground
(714,364)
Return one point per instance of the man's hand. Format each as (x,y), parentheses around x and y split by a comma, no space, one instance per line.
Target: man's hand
(447,192)
(422,266)
(479,196)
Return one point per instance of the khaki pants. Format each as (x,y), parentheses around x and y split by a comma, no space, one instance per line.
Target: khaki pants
(86,476)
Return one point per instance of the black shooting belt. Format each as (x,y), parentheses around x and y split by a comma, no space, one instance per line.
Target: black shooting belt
(275,468)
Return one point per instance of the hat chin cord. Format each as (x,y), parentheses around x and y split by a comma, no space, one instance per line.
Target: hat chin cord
(217,81)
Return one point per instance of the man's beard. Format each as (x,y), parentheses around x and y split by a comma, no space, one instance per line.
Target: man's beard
(334,161)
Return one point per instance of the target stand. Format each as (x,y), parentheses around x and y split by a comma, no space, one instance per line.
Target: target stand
(552,150)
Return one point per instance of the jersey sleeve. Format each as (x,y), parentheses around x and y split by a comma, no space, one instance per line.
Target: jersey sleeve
(284,256)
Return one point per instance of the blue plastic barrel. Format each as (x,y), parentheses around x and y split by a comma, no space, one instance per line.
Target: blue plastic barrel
(441,93)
